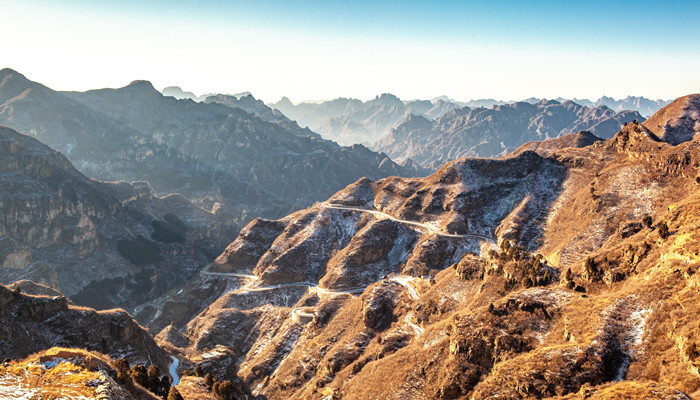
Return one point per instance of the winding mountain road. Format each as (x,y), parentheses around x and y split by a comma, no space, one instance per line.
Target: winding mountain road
(428,227)
(255,280)
(302,312)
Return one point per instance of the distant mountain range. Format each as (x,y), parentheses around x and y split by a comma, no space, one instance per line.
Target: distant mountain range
(493,132)
(209,152)
(349,121)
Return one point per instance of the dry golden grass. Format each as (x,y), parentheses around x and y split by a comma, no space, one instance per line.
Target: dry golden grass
(193,388)
(50,376)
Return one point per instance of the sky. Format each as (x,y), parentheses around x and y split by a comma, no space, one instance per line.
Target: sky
(314,50)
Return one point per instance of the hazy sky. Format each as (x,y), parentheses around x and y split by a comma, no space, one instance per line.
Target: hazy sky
(323,49)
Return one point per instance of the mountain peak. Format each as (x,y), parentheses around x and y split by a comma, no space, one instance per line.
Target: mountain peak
(8,71)
(678,122)
(141,84)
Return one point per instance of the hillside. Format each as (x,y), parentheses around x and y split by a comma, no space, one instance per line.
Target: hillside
(565,270)
(494,132)
(104,244)
(253,166)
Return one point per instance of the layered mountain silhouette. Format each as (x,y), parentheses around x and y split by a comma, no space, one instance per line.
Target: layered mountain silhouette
(553,272)
(208,152)
(349,121)
(482,132)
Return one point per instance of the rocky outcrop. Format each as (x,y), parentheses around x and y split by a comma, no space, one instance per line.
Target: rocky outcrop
(33,323)
(72,373)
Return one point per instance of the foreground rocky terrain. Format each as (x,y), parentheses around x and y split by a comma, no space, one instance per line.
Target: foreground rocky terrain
(31,323)
(210,153)
(68,374)
(565,270)
(103,244)
(483,132)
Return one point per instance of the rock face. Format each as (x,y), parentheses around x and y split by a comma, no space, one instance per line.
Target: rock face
(482,132)
(597,247)
(33,323)
(209,153)
(103,244)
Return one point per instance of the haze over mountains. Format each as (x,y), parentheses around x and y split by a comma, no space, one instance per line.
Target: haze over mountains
(349,121)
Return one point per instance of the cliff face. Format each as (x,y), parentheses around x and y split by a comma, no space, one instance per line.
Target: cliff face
(494,132)
(104,244)
(595,250)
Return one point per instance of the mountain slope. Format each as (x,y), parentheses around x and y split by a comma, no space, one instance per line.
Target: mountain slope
(104,244)
(589,293)
(494,132)
(677,122)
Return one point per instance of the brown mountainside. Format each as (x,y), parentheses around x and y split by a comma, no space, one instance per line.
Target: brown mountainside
(589,291)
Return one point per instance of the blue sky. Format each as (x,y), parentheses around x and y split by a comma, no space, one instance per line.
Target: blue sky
(324,49)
